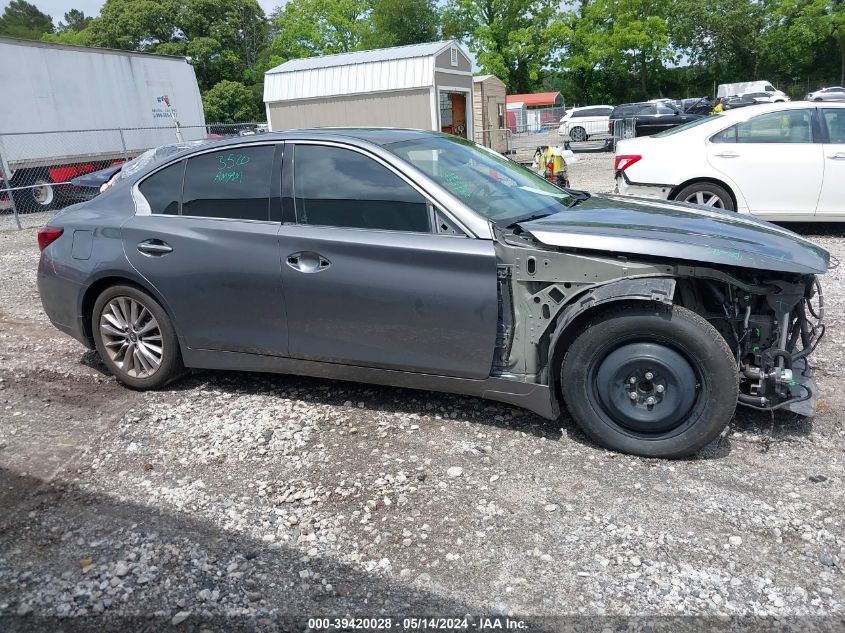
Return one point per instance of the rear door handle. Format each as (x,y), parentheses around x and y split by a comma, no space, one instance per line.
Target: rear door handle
(308,262)
(727,155)
(837,156)
(154,248)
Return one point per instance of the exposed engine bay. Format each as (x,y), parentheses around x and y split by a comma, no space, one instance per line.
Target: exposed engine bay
(773,325)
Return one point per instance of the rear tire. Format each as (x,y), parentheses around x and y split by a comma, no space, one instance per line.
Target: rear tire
(135,338)
(675,358)
(707,194)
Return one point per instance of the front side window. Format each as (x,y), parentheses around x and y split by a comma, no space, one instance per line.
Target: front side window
(163,189)
(791,126)
(232,183)
(340,187)
(487,182)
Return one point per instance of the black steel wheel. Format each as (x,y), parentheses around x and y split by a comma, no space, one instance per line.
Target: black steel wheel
(650,380)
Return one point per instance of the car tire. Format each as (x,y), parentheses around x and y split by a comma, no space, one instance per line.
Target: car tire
(578,134)
(707,194)
(693,380)
(135,338)
(817,99)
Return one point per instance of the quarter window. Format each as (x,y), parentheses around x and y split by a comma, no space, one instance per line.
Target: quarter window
(340,187)
(163,189)
(232,183)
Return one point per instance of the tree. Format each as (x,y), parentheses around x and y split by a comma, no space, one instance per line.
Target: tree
(623,37)
(723,37)
(512,39)
(319,27)
(22,19)
(75,21)
(229,102)
(402,22)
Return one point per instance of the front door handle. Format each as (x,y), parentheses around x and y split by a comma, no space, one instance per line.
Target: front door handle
(155,248)
(727,155)
(308,262)
(837,156)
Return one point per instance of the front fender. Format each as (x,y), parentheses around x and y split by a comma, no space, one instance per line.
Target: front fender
(659,289)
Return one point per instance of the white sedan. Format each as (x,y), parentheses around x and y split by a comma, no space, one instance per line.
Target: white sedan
(780,161)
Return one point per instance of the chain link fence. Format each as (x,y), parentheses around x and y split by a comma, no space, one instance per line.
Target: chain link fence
(36,168)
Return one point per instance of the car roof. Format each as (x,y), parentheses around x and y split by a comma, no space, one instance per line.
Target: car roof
(372,135)
(600,105)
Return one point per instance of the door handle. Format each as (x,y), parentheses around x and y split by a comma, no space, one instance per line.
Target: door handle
(155,248)
(727,155)
(837,156)
(308,262)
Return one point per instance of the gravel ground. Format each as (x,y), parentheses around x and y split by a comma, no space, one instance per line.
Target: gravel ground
(235,500)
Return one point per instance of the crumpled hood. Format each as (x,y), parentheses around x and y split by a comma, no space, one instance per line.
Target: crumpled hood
(678,231)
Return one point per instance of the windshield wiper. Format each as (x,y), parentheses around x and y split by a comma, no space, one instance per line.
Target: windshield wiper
(579,196)
(528,218)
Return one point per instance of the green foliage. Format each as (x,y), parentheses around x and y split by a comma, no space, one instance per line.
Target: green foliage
(24,20)
(512,39)
(402,22)
(75,21)
(229,102)
(305,28)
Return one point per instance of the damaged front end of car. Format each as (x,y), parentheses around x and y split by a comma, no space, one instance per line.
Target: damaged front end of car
(755,283)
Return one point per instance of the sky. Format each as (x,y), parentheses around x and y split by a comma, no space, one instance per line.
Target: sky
(57,8)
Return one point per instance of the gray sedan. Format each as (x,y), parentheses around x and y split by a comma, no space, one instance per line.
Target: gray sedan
(421,260)
(834,93)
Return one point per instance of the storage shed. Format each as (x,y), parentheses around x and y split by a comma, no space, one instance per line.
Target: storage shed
(425,86)
(488,104)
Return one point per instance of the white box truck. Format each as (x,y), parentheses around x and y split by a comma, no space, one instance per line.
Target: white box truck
(746,87)
(69,110)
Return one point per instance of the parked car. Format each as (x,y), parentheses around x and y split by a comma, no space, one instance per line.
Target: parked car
(780,161)
(834,93)
(644,119)
(579,124)
(746,87)
(738,101)
(418,259)
(697,105)
(765,97)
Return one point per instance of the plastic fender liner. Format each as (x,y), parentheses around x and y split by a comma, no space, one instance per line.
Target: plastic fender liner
(660,289)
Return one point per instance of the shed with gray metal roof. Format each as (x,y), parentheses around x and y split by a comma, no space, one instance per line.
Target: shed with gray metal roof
(425,86)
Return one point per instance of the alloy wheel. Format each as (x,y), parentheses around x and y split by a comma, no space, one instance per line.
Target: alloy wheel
(131,336)
(706,199)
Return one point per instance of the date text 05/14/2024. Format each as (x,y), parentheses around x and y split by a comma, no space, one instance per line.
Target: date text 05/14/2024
(419,624)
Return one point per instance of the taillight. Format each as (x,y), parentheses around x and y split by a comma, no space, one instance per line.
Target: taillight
(623,161)
(47,235)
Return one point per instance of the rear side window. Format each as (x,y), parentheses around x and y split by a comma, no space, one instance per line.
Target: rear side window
(232,183)
(791,126)
(163,189)
(835,120)
(341,187)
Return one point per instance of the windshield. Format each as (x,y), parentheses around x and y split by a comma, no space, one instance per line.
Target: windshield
(487,182)
(686,126)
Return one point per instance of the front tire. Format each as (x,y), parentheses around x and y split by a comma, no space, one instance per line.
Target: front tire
(650,380)
(707,194)
(578,134)
(135,338)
